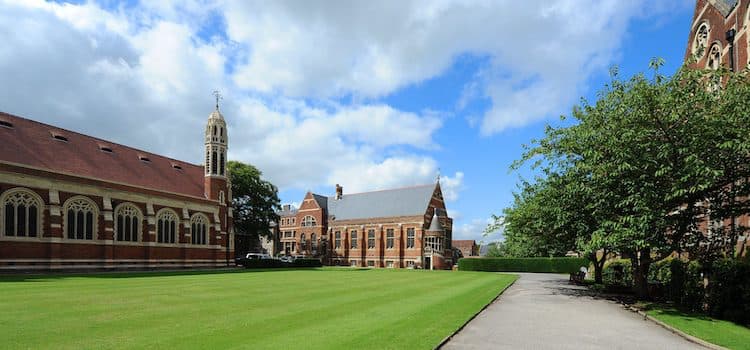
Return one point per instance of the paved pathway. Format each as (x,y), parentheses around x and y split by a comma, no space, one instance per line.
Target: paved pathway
(543,311)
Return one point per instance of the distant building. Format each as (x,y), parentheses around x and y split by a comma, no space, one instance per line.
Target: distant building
(468,247)
(397,228)
(69,200)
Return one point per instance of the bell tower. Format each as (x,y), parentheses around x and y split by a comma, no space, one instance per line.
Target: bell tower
(216,155)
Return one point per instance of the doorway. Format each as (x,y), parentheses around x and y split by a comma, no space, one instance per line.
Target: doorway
(428,263)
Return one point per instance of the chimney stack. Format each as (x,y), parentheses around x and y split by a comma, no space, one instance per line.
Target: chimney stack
(339,191)
(287,207)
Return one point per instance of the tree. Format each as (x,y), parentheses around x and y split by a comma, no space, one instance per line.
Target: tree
(496,250)
(255,201)
(647,161)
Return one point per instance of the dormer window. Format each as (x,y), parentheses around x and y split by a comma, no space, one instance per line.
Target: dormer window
(105,149)
(176,166)
(6,124)
(59,137)
(144,159)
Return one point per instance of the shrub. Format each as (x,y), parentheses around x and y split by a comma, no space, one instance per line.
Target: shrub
(617,273)
(275,263)
(729,290)
(552,265)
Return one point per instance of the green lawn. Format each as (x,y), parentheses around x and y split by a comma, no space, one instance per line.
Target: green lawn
(719,332)
(329,308)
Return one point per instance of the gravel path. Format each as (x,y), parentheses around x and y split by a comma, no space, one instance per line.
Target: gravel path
(543,311)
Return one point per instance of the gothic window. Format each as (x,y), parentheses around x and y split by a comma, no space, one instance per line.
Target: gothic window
(166,226)
(208,159)
(213,162)
(337,240)
(410,238)
(80,218)
(22,213)
(127,223)
(199,229)
(370,239)
(221,164)
(214,130)
(313,242)
(389,238)
(302,242)
(308,221)
(714,57)
(700,40)
(354,240)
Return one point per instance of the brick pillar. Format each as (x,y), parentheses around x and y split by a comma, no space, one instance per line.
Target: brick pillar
(419,243)
(149,236)
(55,226)
(185,237)
(379,246)
(399,244)
(108,234)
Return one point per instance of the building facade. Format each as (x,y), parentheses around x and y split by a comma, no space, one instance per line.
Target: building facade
(72,201)
(719,35)
(397,228)
(468,247)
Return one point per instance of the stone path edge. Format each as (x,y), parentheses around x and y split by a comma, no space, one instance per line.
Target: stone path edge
(495,299)
(687,337)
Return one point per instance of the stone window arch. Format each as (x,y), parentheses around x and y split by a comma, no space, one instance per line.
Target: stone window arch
(128,219)
(700,40)
(21,213)
(714,56)
(199,229)
(309,221)
(80,218)
(166,226)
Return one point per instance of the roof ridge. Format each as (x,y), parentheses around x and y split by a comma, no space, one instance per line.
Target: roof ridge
(385,190)
(109,143)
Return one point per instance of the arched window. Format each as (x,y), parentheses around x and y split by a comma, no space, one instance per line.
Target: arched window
(166,226)
(714,57)
(221,163)
(308,221)
(199,229)
(302,242)
(213,162)
(214,130)
(21,213)
(80,218)
(127,223)
(313,242)
(700,40)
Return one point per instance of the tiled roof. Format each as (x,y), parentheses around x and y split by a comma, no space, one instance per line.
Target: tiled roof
(409,201)
(34,144)
(464,243)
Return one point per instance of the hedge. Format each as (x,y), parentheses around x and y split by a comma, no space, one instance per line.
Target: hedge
(554,265)
(275,263)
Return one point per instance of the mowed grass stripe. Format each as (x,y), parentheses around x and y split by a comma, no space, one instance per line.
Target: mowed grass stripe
(316,308)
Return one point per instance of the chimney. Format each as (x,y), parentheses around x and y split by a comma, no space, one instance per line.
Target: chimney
(287,207)
(339,191)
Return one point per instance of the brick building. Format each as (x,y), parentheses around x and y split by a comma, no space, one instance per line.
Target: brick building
(719,37)
(719,34)
(399,228)
(69,200)
(468,247)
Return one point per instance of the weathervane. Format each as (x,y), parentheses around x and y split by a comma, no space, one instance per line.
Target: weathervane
(218,96)
(438,175)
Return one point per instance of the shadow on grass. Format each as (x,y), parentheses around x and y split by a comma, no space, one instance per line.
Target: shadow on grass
(32,277)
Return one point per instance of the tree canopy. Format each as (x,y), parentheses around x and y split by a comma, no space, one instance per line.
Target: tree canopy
(255,201)
(641,170)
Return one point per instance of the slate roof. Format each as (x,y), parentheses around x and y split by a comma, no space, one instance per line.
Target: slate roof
(724,6)
(408,201)
(435,225)
(32,143)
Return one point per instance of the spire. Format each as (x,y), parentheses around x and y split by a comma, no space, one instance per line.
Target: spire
(438,176)
(218,96)
(435,225)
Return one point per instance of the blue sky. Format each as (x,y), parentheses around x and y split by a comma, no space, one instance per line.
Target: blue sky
(370,95)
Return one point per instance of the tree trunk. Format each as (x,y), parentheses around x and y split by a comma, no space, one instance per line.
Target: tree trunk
(598,265)
(640,265)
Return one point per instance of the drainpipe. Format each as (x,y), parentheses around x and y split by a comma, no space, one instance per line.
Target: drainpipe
(730,38)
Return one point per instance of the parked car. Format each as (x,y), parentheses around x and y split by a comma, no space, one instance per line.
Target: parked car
(257,256)
(287,258)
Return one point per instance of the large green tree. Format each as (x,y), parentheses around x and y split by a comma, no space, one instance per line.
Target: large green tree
(648,161)
(254,200)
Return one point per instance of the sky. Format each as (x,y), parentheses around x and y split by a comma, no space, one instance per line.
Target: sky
(367,94)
